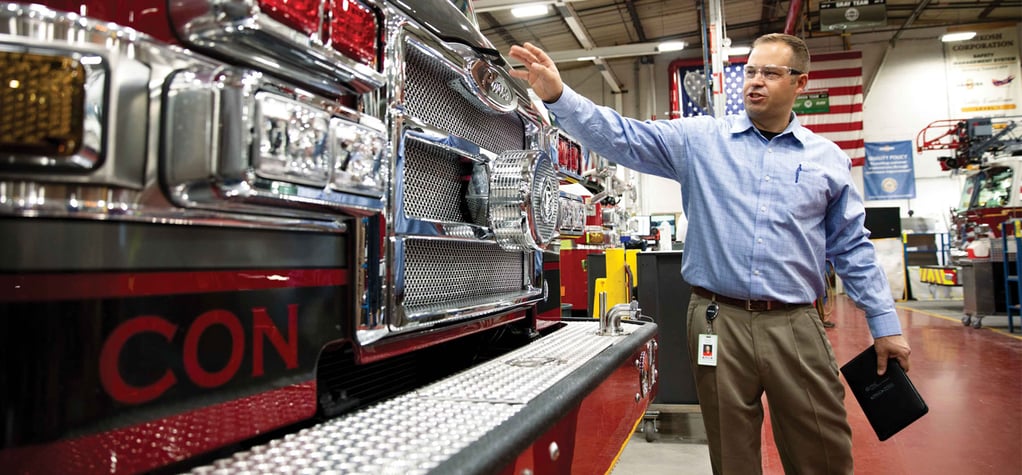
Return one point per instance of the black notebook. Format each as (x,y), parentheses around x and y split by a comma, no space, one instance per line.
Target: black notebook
(891,401)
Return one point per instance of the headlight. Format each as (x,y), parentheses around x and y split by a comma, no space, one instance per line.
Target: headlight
(268,144)
(292,141)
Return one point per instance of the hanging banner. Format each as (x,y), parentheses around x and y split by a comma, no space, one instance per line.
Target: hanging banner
(832,103)
(693,92)
(889,173)
(984,75)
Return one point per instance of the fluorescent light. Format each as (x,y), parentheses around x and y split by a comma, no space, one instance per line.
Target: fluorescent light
(528,11)
(670,46)
(586,58)
(739,51)
(960,36)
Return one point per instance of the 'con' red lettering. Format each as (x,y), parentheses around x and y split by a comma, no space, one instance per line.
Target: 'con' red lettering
(110,355)
(195,371)
(263,326)
(263,329)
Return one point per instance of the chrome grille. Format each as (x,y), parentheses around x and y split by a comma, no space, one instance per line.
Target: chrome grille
(448,137)
(431,95)
(449,274)
(433,184)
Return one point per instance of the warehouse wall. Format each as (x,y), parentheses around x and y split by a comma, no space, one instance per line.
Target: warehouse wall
(904,94)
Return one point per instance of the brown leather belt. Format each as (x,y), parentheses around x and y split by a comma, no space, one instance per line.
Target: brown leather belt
(749,305)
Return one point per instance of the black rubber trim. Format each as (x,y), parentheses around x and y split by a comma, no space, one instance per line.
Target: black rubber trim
(501,446)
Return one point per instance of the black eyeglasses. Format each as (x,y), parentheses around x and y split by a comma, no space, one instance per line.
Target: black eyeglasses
(771,72)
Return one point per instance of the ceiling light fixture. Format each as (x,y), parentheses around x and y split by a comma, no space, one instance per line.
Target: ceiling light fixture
(959,36)
(739,51)
(670,46)
(586,58)
(529,11)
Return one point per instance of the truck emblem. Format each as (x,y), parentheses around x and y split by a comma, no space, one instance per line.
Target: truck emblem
(549,201)
(492,87)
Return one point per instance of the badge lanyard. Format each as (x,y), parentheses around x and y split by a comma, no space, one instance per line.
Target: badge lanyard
(708,340)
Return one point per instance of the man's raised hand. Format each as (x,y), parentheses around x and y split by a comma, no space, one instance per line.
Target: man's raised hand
(540,72)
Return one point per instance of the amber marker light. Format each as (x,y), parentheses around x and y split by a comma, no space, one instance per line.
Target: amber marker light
(42,104)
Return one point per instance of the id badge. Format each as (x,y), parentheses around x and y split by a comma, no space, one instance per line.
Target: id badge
(707,350)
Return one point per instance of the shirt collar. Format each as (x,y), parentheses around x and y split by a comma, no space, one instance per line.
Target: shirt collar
(743,123)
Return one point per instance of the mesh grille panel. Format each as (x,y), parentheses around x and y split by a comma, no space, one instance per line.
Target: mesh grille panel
(450,273)
(430,97)
(433,187)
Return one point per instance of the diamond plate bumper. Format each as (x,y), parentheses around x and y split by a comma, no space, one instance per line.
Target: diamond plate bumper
(476,421)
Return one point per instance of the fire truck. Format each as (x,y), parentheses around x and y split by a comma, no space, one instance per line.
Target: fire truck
(288,235)
(989,152)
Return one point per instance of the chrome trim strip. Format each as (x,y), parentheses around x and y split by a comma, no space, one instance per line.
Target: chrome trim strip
(237,31)
(368,281)
(444,140)
(448,314)
(59,200)
(62,245)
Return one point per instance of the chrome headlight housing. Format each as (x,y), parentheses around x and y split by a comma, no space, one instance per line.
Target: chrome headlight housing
(524,199)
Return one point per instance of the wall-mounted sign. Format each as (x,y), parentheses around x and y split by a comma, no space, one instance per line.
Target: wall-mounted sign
(849,14)
(984,74)
(812,102)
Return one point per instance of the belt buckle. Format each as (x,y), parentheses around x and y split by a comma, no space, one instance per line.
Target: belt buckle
(759,305)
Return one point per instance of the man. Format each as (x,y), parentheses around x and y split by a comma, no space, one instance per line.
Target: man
(768,202)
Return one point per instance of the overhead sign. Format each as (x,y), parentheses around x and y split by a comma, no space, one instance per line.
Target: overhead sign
(846,15)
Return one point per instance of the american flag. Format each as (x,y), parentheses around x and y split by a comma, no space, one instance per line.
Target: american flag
(837,74)
(840,75)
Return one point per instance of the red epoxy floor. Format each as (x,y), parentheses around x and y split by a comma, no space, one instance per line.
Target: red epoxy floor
(971,380)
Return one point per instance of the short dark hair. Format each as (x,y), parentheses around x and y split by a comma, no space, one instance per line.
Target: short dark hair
(800,52)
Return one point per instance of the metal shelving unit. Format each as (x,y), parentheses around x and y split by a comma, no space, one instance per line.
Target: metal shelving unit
(1012,297)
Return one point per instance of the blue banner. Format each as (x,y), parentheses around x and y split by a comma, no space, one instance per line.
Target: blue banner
(889,173)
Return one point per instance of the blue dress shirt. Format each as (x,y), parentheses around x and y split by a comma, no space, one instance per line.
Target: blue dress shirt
(764,215)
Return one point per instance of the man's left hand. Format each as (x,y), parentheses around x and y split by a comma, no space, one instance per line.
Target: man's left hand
(894,346)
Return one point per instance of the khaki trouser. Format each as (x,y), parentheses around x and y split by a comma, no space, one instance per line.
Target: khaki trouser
(786,354)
